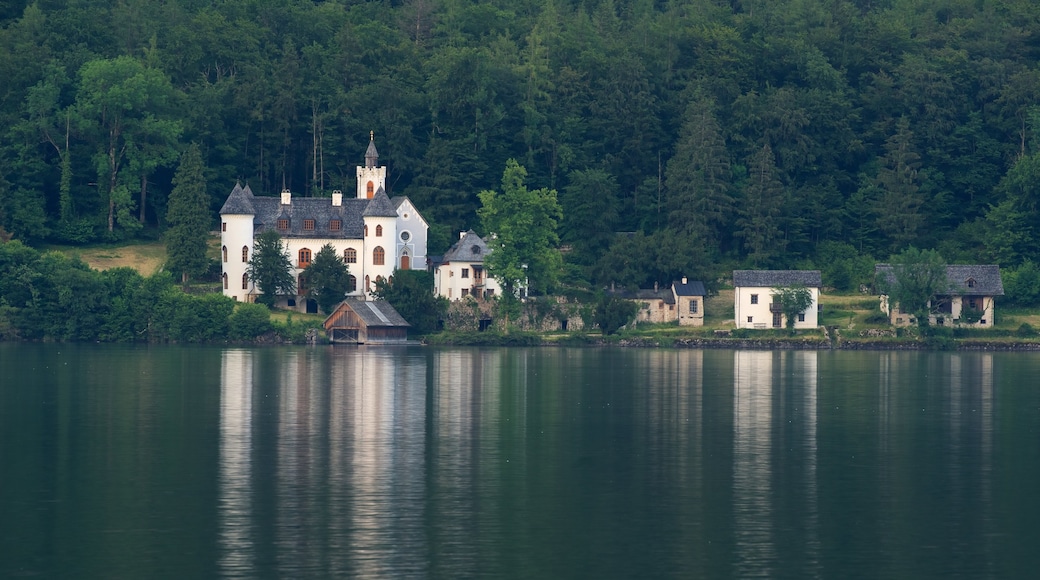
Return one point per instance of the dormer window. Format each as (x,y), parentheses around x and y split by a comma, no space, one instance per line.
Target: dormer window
(283,224)
(476,249)
(970,282)
(335,225)
(308,225)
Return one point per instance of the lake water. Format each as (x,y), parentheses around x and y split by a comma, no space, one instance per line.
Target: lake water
(413,462)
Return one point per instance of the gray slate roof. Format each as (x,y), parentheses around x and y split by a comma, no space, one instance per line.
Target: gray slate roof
(268,210)
(777,278)
(690,288)
(470,248)
(239,202)
(375,313)
(380,206)
(371,155)
(986,277)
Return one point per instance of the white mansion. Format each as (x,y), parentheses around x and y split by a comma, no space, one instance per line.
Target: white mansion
(373,233)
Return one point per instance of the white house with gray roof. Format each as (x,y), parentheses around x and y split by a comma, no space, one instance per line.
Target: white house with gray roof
(372,233)
(753,303)
(461,273)
(971,288)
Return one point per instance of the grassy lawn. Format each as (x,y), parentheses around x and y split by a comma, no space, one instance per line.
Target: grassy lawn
(145,257)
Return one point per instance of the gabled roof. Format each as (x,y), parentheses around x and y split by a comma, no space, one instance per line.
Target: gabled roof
(690,288)
(777,278)
(986,279)
(239,202)
(374,313)
(380,206)
(470,248)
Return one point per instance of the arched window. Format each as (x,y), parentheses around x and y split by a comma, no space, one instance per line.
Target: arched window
(223,277)
(378,256)
(370,190)
(351,283)
(350,256)
(245,281)
(366,230)
(245,253)
(223,251)
(368,284)
(379,231)
(305,258)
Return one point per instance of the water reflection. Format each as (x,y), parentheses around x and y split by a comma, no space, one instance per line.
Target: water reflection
(369,462)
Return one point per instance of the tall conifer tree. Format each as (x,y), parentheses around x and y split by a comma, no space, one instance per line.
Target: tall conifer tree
(188,217)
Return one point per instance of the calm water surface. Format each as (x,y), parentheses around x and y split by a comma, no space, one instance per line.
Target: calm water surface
(171,462)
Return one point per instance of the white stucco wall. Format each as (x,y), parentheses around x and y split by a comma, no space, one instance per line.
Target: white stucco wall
(761,317)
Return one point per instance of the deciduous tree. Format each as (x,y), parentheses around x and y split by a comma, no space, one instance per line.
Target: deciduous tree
(327,278)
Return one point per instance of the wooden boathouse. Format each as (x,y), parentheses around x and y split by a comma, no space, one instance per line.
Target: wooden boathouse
(366,322)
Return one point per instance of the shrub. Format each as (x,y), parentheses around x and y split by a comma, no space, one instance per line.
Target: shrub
(249,321)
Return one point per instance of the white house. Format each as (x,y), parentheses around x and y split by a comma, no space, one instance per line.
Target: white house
(372,233)
(461,272)
(972,288)
(753,303)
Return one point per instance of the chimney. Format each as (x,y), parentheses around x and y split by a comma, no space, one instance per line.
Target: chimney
(462,235)
(286,197)
(337,198)
(655,285)
(684,280)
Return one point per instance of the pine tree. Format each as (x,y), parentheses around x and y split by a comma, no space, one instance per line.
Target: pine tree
(327,278)
(188,217)
(270,268)
(763,200)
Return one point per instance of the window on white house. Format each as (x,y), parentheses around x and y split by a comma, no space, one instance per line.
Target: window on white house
(801,317)
(750,319)
(754,300)
(465,272)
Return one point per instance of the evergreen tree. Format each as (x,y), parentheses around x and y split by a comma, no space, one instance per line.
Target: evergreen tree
(188,217)
(327,278)
(901,201)
(697,179)
(763,199)
(270,268)
(410,292)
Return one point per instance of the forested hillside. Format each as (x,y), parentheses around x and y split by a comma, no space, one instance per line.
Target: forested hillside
(684,137)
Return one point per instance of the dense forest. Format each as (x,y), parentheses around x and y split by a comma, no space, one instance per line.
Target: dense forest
(683,136)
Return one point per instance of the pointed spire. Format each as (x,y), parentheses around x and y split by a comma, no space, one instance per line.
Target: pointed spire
(380,206)
(371,156)
(239,202)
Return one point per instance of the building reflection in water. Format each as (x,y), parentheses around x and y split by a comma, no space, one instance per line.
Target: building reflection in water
(774,414)
(235,501)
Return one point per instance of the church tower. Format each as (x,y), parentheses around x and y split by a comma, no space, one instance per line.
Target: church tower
(370,178)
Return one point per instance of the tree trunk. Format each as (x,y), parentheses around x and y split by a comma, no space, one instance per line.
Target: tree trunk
(144,195)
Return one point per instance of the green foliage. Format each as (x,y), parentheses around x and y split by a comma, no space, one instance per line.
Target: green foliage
(270,268)
(917,276)
(249,321)
(1025,330)
(410,292)
(188,217)
(842,267)
(612,313)
(1022,284)
(522,226)
(328,278)
(793,300)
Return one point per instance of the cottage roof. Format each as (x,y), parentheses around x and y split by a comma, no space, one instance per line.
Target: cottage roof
(240,202)
(964,279)
(777,278)
(380,206)
(470,248)
(374,313)
(690,288)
